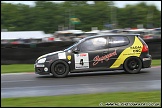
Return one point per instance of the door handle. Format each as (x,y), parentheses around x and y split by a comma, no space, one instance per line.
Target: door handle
(104,52)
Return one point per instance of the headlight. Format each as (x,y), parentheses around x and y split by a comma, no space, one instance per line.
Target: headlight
(42,60)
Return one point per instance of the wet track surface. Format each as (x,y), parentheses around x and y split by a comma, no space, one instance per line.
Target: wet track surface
(30,84)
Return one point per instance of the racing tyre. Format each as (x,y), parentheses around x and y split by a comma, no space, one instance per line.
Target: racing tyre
(60,69)
(132,65)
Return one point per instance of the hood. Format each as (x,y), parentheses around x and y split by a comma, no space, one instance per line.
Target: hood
(50,54)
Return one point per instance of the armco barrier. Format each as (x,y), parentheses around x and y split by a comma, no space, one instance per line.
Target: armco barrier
(154,48)
(28,53)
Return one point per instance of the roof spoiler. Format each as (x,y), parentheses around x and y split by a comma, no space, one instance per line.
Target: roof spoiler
(137,34)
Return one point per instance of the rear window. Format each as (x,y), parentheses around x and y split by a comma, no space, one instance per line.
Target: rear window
(116,41)
(142,40)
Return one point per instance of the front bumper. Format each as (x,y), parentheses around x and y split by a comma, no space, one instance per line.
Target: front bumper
(41,69)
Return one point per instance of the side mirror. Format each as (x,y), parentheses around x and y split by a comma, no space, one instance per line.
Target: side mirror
(76,50)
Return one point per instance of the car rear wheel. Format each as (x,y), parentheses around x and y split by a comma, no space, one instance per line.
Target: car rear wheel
(132,65)
(60,69)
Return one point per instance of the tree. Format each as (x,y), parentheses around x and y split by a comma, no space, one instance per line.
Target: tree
(47,16)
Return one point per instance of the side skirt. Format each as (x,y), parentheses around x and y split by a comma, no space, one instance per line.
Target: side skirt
(97,69)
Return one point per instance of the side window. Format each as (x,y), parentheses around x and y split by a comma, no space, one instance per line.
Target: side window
(116,41)
(93,44)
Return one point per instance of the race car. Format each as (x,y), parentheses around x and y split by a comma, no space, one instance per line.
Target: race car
(128,52)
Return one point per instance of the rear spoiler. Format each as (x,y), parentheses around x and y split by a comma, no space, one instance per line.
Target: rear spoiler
(137,35)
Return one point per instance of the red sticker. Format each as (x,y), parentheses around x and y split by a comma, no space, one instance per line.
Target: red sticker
(83,54)
(98,59)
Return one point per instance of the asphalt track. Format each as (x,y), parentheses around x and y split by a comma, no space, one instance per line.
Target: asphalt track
(31,84)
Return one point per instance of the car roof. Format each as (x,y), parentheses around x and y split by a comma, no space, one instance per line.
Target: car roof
(101,35)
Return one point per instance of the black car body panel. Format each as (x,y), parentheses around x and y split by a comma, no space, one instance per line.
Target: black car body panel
(110,53)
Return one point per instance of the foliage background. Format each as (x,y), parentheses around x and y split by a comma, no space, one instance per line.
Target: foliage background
(49,16)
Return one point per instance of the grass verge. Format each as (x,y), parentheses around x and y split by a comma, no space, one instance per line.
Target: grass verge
(82,100)
(156,62)
(17,68)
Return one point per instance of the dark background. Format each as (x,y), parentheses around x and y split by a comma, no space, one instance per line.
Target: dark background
(28,53)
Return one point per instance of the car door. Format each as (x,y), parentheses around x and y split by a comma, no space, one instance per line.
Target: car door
(91,54)
(116,45)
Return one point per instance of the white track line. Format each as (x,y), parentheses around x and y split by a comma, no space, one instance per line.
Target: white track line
(16,81)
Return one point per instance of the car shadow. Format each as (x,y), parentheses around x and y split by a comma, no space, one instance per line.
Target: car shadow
(98,73)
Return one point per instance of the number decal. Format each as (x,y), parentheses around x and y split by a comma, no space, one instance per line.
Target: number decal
(81,60)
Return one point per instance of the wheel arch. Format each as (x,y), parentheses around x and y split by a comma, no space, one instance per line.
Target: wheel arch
(131,57)
(59,61)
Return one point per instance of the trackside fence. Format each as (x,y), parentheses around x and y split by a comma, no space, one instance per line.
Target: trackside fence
(28,53)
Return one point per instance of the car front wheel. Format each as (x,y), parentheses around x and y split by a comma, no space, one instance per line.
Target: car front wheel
(60,69)
(132,65)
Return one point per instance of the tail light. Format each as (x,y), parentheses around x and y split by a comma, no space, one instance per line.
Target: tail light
(145,48)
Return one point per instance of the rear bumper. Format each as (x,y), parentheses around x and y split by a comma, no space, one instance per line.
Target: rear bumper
(147,62)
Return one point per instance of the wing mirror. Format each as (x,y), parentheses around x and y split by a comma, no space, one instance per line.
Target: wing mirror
(76,50)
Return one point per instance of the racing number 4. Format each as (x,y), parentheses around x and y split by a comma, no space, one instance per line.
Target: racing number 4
(81,61)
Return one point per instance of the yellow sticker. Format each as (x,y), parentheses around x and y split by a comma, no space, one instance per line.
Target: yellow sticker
(69,57)
(128,52)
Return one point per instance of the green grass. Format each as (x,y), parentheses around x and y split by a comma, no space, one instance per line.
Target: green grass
(17,68)
(156,62)
(82,100)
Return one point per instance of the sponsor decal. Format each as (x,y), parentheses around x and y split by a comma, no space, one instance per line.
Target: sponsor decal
(135,47)
(137,50)
(62,55)
(83,54)
(81,60)
(128,52)
(39,65)
(81,67)
(69,57)
(98,59)
(46,69)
